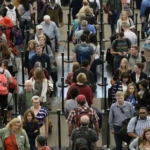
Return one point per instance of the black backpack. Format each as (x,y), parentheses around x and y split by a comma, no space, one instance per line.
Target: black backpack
(82,137)
(94,6)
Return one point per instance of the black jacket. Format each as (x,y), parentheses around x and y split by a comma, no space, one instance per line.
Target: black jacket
(142,76)
(30,128)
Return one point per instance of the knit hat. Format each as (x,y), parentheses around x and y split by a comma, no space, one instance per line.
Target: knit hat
(80,98)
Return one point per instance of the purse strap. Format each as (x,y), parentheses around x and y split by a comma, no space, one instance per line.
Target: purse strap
(12,142)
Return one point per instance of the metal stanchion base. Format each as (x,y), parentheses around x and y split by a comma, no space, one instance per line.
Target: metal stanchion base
(64,85)
(68,61)
(104,147)
(102,84)
(62,113)
(62,148)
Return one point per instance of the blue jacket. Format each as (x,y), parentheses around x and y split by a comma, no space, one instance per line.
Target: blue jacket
(144,5)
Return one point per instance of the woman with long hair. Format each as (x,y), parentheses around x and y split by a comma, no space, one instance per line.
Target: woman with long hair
(14,137)
(30,125)
(131,95)
(144,94)
(124,67)
(121,85)
(138,74)
(83,88)
(31,50)
(40,84)
(69,78)
(143,142)
(25,11)
(124,18)
(7,55)
(93,42)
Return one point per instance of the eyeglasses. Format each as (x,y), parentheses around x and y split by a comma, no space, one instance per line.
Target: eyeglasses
(143,113)
(122,110)
(36,102)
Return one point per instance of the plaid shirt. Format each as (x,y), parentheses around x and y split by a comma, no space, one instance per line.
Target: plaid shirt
(72,116)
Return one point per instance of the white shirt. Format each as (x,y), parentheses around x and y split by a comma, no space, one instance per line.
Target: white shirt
(124,88)
(131,36)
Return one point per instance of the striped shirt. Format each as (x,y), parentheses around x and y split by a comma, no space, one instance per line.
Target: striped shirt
(118,114)
(140,126)
(41,115)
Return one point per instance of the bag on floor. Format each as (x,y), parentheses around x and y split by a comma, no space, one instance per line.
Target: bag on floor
(3,83)
(50,126)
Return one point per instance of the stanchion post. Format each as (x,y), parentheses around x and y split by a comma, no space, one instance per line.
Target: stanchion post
(100,41)
(16,104)
(59,147)
(68,50)
(149,81)
(108,146)
(22,55)
(62,94)
(62,56)
(59,129)
(138,38)
(68,22)
(102,83)
(136,22)
(133,8)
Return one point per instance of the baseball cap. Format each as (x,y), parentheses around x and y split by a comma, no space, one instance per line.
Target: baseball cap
(52,1)
(39,27)
(80,98)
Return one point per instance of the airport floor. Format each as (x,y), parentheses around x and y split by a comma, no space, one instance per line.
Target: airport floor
(98,95)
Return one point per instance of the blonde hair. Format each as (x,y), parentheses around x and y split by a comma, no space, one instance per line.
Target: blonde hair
(88,10)
(81,77)
(34,44)
(119,93)
(39,74)
(123,12)
(85,2)
(81,17)
(13,122)
(41,37)
(126,65)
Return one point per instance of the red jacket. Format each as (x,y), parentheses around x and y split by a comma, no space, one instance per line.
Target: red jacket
(85,90)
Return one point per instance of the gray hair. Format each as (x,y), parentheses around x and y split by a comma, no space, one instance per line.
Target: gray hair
(47,17)
(28,81)
(38,65)
(35,98)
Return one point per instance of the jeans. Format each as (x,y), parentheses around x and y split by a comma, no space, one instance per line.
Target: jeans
(116,65)
(118,141)
(93,69)
(113,20)
(25,25)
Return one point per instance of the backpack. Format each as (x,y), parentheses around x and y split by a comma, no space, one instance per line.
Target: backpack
(82,137)
(3,84)
(94,6)
(83,53)
(11,13)
(90,82)
(17,36)
(79,114)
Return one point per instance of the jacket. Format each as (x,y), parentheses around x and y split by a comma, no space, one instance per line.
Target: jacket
(44,89)
(134,145)
(30,131)
(55,14)
(21,138)
(22,104)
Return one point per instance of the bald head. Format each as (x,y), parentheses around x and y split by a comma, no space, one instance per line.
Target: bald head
(84,120)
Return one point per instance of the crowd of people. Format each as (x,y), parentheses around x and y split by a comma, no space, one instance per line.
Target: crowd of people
(129,92)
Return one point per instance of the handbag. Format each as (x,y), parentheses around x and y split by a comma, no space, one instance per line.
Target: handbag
(15,69)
